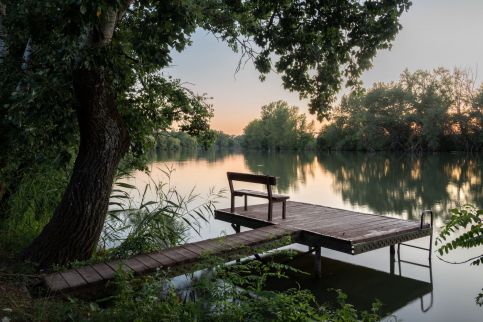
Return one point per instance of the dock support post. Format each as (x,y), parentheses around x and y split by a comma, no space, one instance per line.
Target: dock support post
(236,227)
(318,264)
(392,258)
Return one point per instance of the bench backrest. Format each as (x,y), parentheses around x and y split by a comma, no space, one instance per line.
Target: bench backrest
(252,178)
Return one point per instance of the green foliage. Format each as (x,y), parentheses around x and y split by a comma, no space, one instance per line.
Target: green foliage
(31,207)
(225,141)
(227,293)
(317,44)
(169,141)
(436,110)
(468,220)
(158,218)
(126,44)
(280,127)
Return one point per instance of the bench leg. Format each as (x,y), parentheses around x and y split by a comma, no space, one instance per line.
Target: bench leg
(245,208)
(232,207)
(284,210)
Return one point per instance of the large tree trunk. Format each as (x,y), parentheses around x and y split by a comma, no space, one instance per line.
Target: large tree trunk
(74,230)
(3,32)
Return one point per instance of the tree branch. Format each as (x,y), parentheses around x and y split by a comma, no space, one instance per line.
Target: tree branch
(463,262)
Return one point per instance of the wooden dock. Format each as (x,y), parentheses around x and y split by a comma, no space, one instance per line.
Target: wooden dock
(229,247)
(313,225)
(342,230)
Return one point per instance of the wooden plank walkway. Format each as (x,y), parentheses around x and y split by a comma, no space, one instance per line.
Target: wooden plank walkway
(230,247)
(343,230)
(313,225)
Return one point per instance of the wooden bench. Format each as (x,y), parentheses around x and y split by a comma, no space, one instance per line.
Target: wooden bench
(269,181)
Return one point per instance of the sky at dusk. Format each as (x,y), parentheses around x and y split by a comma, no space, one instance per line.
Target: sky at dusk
(435,33)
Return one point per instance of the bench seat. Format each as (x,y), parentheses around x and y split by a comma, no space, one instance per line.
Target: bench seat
(259,194)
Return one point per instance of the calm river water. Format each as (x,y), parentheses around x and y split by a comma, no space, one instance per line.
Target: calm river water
(385,184)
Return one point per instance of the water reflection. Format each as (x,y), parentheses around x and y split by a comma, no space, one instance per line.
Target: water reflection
(377,183)
(361,284)
(404,183)
(399,184)
(210,155)
(291,169)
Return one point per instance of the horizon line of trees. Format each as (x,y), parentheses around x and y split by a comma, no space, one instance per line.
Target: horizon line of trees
(435,110)
(438,110)
(178,140)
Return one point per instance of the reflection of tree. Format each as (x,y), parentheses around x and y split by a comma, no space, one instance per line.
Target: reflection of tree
(210,155)
(290,168)
(392,183)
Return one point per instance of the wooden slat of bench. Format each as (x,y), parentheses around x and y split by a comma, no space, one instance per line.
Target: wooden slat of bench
(259,194)
(253,178)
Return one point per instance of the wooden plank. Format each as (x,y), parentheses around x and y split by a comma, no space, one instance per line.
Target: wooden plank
(259,194)
(267,234)
(250,239)
(195,249)
(148,261)
(346,231)
(253,178)
(211,246)
(382,234)
(319,220)
(73,278)
(104,270)
(340,226)
(241,220)
(359,232)
(137,266)
(179,256)
(55,282)
(89,274)
(232,242)
(162,259)
(119,264)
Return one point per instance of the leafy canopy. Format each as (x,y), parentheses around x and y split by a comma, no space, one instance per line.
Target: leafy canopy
(313,44)
(279,127)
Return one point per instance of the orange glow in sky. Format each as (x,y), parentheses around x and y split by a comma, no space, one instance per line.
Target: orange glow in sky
(435,33)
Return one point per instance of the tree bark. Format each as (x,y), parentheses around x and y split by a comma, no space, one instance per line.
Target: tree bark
(74,230)
(3,33)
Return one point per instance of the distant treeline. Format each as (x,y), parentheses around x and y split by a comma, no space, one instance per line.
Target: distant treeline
(172,140)
(280,127)
(423,111)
